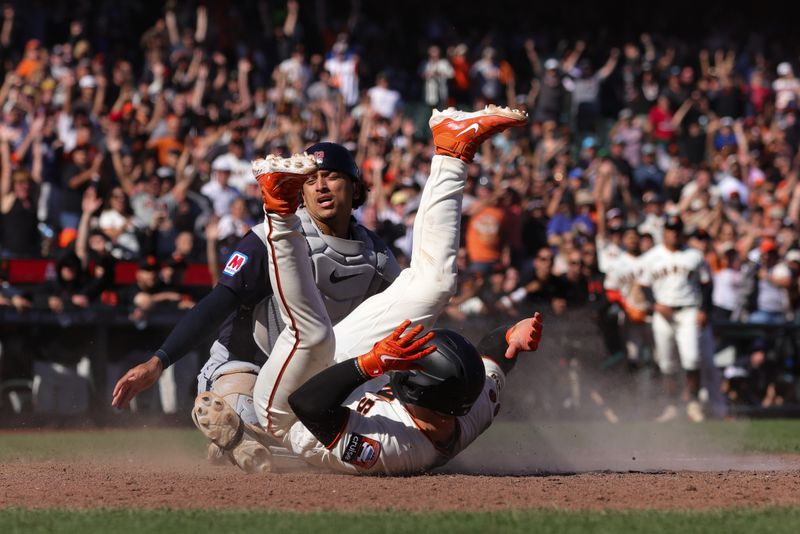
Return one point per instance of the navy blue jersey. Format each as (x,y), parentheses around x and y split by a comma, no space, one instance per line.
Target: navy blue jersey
(246,275)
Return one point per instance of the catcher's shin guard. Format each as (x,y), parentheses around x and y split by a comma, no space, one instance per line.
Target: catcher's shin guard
(234,382)
(220,423)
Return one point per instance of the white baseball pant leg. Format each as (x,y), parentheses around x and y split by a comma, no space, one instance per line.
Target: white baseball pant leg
(687,337)
(309,343)
(664,343)
(422,291)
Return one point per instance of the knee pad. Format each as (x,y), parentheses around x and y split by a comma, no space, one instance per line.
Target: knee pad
(234,382)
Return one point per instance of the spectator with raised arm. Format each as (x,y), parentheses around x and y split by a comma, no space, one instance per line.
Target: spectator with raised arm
(585,89)
(18,202)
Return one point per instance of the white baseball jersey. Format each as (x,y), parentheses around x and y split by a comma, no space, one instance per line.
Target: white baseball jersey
(381,436)
(675,276)
(624,275)
(607,254)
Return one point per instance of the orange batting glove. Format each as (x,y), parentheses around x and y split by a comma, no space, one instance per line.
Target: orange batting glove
(396,352)
(524,336)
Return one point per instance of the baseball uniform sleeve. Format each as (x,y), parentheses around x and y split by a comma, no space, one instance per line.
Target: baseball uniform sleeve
(492,347)
(205,317)
(611,281)
(645,274)
(244,281)
(318,402)
(245,271)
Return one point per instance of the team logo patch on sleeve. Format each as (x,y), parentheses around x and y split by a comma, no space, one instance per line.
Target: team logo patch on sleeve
(235,263)
(361,451)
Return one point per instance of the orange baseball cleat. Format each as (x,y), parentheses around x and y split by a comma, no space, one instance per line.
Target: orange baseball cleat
(281,180)
(459,133)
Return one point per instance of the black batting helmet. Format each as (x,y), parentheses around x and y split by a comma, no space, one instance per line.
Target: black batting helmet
(336,158)
(674,222)
(449,380)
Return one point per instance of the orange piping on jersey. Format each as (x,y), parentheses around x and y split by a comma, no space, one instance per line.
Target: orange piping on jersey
(291,319)
(339,435)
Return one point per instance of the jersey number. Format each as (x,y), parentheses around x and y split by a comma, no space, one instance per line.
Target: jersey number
(364,406)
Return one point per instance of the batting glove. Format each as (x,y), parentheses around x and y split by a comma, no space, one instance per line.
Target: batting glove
(524,336)
(396,352)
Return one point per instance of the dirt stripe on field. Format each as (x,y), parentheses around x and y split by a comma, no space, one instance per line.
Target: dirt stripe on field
(189,486)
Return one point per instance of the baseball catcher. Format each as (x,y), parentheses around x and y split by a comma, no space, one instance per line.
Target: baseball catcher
(349,264)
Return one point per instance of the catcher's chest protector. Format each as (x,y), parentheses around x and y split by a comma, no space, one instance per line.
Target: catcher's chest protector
(346,272)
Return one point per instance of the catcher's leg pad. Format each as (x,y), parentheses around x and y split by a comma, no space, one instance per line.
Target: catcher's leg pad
(217,420)
(217,456)
(234,382)
(220,423)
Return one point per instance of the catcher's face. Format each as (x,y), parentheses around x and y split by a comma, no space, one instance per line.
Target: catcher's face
(328,196)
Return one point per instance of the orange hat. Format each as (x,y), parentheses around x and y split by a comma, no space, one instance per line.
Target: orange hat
(768,245)
(66,237)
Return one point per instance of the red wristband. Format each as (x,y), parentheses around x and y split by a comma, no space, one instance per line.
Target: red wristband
(369,365)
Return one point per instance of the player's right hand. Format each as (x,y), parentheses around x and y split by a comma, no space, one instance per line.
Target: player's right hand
(396,352)
(524,336)
(136,380)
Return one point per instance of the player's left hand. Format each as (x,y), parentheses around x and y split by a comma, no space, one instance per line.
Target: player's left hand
(396,352)
(702,318)
(524,336)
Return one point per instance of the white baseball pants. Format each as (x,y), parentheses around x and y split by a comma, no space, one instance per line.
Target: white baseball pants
(681,332)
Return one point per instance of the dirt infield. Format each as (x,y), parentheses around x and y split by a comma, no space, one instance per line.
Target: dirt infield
(569,467)
(185,486)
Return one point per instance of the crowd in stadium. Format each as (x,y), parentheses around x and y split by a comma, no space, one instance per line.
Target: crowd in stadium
(136,149)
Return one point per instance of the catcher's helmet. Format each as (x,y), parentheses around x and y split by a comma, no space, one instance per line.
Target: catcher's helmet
(336,158)
(449,380)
